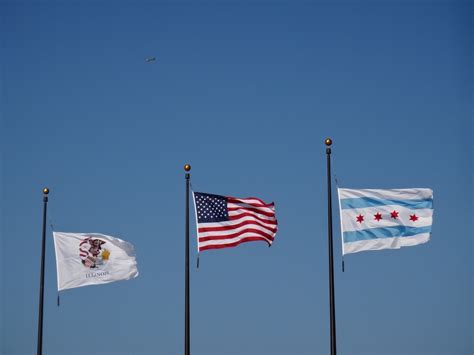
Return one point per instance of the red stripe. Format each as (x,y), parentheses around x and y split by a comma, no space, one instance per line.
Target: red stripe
(239,216)
(234,226)
(231,236)
(231,245)
(237,200)
(251,209)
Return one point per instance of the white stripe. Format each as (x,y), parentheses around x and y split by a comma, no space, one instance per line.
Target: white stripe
(231,240)
(340,219)
(236,230)
(240,211)
(395,194)
(245,205)
(385,243)
(250,200)
(349,217)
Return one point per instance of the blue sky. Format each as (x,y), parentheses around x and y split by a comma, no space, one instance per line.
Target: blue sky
(246,92)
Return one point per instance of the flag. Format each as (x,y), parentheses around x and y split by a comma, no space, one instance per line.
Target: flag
(374,219)
(224,222)
(84,259)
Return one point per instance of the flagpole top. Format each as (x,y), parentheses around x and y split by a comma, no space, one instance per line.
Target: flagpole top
(187,168)
(46,191)
(328,142)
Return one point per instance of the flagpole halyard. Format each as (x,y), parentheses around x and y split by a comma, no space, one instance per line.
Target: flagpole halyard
(187,347)
(39,349)
(328,142)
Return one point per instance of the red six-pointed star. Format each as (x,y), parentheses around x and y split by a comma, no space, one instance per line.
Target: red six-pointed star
(394,214)
(360,218)
(413,217)
(377,216)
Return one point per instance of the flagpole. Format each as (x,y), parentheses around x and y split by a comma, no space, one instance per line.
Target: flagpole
(332,305)
(41,293)
(187,347)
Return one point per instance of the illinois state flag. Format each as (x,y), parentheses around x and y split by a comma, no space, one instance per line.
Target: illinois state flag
(84,259)
(374,219)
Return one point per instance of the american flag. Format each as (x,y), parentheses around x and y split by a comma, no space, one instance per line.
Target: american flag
(224,222)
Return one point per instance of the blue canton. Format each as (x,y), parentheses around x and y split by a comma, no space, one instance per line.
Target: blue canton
(211,208)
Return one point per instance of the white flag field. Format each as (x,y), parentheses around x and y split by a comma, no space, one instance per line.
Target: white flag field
(374,219)
(84,259)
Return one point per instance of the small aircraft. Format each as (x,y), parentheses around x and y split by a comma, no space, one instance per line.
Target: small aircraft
(150,59)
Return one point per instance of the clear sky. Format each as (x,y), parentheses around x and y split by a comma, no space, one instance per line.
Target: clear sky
(245,92)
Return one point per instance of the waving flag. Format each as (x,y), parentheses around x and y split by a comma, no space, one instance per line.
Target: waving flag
(224,222)
(385,219)
(84,259)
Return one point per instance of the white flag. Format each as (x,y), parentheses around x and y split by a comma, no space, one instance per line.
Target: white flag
(84,259)
(384,219)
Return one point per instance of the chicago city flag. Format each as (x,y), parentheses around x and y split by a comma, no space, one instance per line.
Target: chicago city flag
(84,259)
(384,219)
(224,222)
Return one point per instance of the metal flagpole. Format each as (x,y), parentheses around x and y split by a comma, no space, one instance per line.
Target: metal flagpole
(328,143)
(187,347)
(41,293)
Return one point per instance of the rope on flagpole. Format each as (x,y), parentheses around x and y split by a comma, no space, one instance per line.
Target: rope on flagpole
(58,300)
(51,225)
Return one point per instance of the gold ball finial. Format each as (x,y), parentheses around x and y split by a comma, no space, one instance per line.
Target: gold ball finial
(46,191)
(328,141)
(187,167)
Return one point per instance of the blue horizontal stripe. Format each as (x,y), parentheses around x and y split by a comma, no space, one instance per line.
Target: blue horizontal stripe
(384,232)
(362,202)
